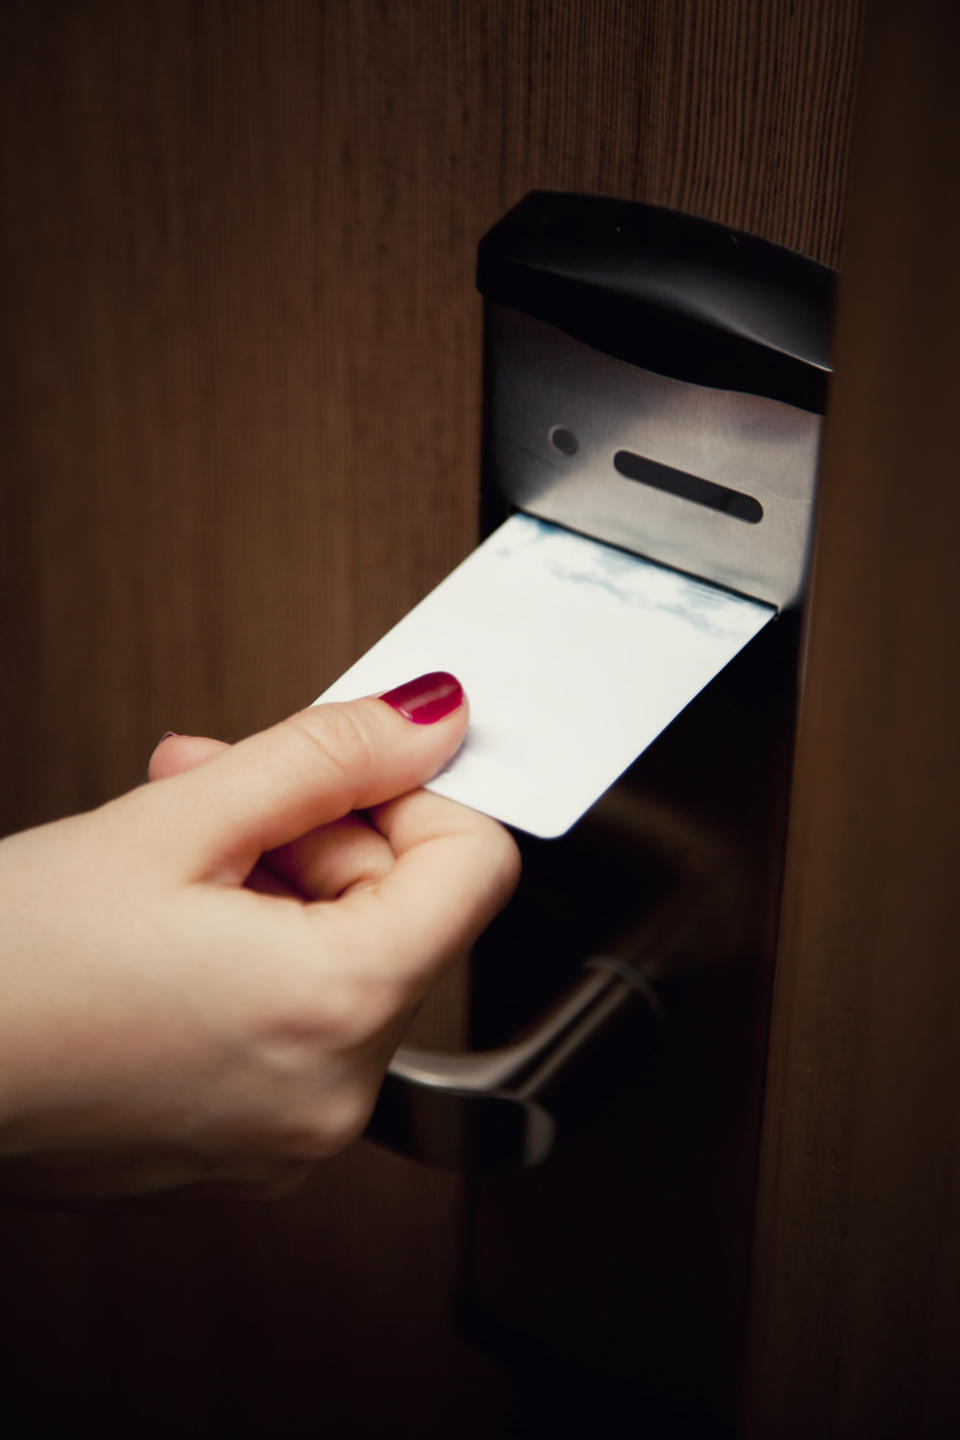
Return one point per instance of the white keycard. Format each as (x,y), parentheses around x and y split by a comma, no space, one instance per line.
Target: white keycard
(574,657)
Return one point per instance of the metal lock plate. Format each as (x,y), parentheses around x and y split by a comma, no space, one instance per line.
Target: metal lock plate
(565,422)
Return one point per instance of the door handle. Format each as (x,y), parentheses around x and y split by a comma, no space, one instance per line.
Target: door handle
(478,1112)
(483,1112)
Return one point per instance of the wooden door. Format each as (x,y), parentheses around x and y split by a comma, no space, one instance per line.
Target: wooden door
(240,390)
(857,1286)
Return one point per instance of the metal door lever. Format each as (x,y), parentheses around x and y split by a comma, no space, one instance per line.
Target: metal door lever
(478,1112)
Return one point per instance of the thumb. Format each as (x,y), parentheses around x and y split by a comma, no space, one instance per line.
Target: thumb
(308,770)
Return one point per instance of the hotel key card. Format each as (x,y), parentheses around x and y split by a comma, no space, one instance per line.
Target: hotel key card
(574,657)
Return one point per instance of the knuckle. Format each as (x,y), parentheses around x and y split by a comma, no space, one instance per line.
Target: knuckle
(356,862)
(361,867)
(337,1019)
(334,1122)
(338,735)
(346,1119)
(365,1006)
(339,1014)
(503,863)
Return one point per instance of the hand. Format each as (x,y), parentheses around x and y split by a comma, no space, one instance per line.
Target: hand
(205,979)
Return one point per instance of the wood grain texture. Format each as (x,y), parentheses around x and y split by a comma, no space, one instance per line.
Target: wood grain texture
(240,396)
(242,369)
(856,1310)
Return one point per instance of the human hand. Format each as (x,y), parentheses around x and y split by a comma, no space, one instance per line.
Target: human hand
(205,979)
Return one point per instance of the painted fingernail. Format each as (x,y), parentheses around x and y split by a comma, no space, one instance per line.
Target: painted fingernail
(167,735)
(426,699)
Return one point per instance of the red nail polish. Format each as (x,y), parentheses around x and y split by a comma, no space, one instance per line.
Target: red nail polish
(426,699)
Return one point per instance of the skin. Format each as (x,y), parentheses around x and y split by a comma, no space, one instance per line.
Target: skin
(204,980)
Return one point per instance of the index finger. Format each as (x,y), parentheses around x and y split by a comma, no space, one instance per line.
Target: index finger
(455,869)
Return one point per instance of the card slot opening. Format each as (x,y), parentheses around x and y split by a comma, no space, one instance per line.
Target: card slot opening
(688,487)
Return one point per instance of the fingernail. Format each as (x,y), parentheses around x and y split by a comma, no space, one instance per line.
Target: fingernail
(167,734)
(426,699)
